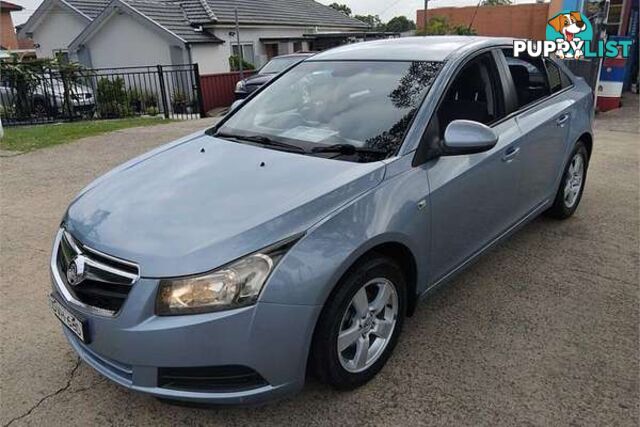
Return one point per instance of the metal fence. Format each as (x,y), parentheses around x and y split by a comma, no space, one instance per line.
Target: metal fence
(51,95)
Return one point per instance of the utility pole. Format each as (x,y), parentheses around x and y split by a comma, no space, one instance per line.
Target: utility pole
(240,60)
(426,7)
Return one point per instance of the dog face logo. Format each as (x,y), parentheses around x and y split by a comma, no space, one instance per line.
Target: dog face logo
(568,24)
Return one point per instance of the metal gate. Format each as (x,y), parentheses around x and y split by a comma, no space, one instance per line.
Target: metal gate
(43,95)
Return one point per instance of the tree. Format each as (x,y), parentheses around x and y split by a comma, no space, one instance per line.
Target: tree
(400,24)
(462,30)
(373,21)
(439,25)
(496,2)
(341,8)
(436,26)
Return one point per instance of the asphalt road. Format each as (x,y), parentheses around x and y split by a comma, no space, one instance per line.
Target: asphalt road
(543,330)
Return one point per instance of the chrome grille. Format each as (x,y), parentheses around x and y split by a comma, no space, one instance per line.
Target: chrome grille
(105,281)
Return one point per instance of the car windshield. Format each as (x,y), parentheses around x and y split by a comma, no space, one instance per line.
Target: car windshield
(365,104)
(277,65)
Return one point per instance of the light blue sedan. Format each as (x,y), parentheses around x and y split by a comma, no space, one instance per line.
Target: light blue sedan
(298,233)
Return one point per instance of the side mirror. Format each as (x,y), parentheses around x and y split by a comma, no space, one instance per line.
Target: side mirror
(236,104)
(468,137)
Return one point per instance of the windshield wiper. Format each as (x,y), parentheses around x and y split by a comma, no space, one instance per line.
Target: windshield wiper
(262,140)
(349,150)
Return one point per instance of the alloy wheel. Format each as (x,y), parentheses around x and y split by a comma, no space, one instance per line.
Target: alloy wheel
(573,180)
(367,325)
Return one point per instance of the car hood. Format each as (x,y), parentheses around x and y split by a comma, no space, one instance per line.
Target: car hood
(201,202)
(259,79)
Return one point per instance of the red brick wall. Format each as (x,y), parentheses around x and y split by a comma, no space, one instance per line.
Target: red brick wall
(8,38)
(522,20)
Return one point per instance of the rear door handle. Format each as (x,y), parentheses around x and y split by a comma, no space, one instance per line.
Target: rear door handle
(510,154)
(560,121)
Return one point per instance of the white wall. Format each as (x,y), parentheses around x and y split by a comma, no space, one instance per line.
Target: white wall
(124,42)
(211,58)
(58,28)
(253,36)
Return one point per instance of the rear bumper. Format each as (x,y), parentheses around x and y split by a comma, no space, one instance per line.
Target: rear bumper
(130,348)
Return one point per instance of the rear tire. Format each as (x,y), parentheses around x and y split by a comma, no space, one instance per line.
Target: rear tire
(360,324)
(571,187)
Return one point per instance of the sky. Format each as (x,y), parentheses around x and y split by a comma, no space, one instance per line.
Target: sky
(387,9)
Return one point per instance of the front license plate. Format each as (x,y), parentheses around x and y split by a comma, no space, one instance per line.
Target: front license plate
(76,325)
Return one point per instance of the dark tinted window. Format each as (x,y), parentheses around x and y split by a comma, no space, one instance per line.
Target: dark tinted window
(558,79)
(475,94)
(554,76)
(529,77)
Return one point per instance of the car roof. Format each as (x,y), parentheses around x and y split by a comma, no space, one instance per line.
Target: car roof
(427,48)
(294,55)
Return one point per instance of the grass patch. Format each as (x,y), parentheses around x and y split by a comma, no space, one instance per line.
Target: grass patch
(28,138)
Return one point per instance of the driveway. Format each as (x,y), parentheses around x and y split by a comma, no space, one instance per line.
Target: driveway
(543,330)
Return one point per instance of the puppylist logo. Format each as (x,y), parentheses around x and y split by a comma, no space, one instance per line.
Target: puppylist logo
(570,35)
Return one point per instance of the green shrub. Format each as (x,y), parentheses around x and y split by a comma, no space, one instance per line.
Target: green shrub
(112,98)
(140,100)
(234,64)
(152,111)
(180,101)
(7,111)
(439,25)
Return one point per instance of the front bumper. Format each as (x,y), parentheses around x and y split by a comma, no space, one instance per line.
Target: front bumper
(132,347)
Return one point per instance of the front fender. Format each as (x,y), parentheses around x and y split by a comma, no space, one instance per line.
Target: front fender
(387,213)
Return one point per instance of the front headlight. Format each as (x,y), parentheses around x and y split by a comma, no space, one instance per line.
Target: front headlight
(240,86)
(235,285)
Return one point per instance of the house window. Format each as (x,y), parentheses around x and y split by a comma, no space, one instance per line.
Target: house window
(247,52)
(271,49)
(62,55)
(297,47)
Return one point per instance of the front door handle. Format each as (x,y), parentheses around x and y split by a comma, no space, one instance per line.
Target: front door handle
(562,120)
(510,154)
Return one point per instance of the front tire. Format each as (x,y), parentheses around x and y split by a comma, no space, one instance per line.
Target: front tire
(572,184)
(360,324)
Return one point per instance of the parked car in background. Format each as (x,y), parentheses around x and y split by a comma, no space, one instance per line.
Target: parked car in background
(298,233)
(277,65)
(46,97)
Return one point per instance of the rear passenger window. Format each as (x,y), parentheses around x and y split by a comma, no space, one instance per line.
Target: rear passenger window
(558,79)
(554,76)
(529,77)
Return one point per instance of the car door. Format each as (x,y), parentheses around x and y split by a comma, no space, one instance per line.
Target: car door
(472,197)
(543,115)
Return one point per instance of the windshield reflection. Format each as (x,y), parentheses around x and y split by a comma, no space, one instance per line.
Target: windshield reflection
(367,104)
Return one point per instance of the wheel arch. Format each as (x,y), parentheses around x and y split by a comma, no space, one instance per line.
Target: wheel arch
(401,254)
(587,138)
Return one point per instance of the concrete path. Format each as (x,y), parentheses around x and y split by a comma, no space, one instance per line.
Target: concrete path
(543,330)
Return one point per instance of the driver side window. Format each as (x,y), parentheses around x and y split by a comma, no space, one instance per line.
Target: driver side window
(475,94)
